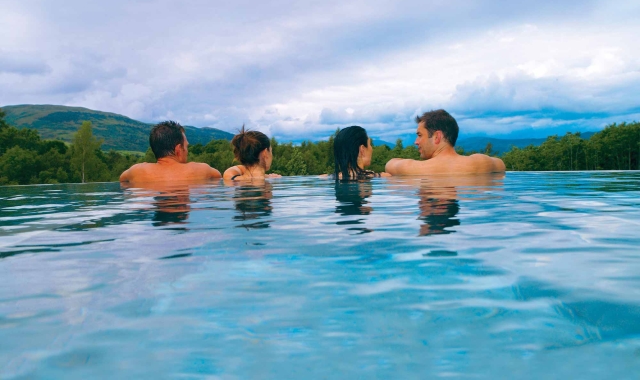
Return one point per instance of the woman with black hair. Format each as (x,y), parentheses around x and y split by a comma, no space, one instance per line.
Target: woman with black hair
(253,150)
(352,151)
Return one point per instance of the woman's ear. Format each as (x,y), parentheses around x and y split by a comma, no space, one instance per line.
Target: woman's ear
(263,155)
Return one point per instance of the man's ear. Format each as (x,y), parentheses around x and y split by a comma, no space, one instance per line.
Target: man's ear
(437,137)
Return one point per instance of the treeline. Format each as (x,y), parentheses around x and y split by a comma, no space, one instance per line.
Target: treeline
(305,159)
(27,159)
(617,147)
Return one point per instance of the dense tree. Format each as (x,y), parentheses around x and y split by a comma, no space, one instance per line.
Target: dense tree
(84,154)
(26,159)
(3,123)
(296,164)
(149,157)
(617,147)
(18,166)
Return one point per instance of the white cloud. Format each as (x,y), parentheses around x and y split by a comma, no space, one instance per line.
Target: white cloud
(300,70)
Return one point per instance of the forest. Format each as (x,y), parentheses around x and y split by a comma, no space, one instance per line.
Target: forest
(25,158)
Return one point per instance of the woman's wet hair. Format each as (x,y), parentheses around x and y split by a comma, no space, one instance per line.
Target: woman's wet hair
(164,137)
(247,146)
(346,148)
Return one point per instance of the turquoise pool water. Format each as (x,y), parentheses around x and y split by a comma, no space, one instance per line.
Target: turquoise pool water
(528,275)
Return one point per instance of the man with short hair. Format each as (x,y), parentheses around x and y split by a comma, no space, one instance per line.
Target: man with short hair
(170,146)
(436,136)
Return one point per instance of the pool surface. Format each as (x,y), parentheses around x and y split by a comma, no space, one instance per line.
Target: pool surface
(528,275)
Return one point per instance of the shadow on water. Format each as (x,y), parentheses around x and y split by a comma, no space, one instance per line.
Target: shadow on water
(252,202)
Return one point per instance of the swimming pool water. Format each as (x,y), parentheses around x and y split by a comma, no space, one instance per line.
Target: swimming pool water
(528,275)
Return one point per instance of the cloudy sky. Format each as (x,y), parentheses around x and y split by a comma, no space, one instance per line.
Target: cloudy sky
(298,70)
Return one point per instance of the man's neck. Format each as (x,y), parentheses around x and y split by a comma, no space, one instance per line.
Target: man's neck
(444,150)
(168,160)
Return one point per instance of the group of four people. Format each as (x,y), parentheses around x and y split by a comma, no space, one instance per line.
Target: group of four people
(436,137)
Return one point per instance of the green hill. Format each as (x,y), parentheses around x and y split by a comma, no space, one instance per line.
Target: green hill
(119,132)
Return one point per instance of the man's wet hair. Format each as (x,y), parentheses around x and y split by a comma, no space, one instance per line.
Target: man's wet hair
(164,137)
(440,120)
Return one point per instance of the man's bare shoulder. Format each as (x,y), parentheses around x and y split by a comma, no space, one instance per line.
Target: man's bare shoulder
(136,171)
(486,163)
(204,169)
(406,166)
(143,166)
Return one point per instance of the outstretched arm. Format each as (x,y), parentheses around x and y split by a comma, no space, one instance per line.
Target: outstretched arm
(404,166)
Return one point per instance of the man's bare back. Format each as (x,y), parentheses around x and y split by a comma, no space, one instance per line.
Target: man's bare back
(451,163)
(169,170)
(436,135)
(171,148)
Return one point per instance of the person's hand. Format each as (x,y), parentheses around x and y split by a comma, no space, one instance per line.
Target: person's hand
(385,174)
(273,175)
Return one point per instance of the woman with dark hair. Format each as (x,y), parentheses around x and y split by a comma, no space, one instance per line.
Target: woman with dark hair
(352,152)
(253,150)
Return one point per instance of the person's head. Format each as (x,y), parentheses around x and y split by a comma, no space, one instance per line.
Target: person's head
(252,148)
(167,139)
(352,152)
(435,128)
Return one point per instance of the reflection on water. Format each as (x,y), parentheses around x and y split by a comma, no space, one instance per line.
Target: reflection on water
(352,200)
(171,203)
(252,202)
(533,278)
(439,199)
(171,207)
(438,210)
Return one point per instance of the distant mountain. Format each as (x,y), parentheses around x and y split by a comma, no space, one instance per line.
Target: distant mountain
(378,142)
(479,143)
(119,132)
(500,146)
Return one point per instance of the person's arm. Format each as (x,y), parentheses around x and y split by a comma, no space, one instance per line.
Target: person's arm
(405,166)
(126,175)
(498,165)
(214,173)
(233,171)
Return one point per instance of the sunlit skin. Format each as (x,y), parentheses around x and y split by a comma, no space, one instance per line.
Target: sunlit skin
(364,155)
(254,172)
(170,168)
(441,158)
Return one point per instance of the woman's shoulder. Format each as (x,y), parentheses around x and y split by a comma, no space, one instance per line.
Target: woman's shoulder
(233,172)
